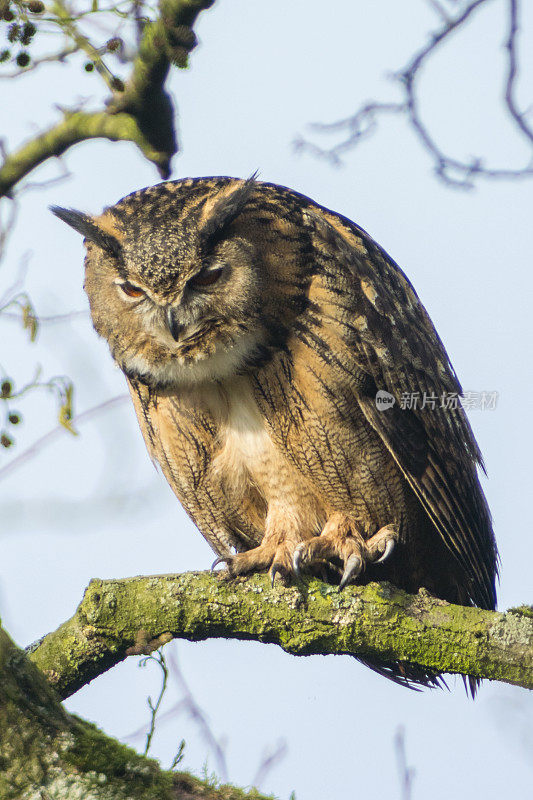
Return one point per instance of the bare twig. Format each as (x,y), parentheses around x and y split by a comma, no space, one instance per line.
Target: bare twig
(52,319)
(269,762)
(198,716)
(57,179)
(159,659)
(63,17)
(453,171)
(512,74)
(187,704)
(436,6)
(179,755)
(55,58)
(7,227)
(56,432)
(406,773)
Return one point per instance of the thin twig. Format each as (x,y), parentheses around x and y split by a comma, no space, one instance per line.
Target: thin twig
(7,227)
(58,57)
(159,659)
(64,19)
(452,171)
(269,762)
(64,175)
(189,705)
(406,773)
(49,320)
(512,74)
(436,6)
(56,432)
(198,716)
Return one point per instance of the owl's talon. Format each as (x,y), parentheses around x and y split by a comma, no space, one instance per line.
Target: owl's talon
(220,560)
(276,569)
(389,547)
(297,559)
(353,567)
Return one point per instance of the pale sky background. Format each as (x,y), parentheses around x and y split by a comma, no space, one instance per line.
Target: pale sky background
(93,506)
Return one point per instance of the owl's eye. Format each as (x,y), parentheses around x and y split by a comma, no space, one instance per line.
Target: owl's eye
(131,290)
(206,277)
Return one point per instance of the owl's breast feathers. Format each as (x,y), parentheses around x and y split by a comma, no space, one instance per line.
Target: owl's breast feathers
(217,452)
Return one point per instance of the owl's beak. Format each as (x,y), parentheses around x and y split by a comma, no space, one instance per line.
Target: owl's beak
(174,326)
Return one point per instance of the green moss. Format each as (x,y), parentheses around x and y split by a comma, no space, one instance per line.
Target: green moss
(103,760)
(94,754)
(376,620)
(524,611)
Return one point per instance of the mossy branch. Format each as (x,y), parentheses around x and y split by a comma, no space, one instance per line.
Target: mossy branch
(117,618)
(46,753)
(168,40)
(140,112)
(76,127)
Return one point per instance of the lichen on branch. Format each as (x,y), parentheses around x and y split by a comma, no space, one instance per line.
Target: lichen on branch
(376,622)
(76,127)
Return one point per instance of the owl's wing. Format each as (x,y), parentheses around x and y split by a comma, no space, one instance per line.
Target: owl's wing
(395,343)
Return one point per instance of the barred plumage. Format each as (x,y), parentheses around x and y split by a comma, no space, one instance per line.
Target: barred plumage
(255,329)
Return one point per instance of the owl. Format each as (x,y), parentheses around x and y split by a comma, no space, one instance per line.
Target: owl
(291,386)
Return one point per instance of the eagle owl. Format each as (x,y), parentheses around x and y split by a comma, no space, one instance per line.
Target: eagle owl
(257,331)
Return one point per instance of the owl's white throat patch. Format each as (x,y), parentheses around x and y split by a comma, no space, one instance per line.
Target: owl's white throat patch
(244,443)
(223,363)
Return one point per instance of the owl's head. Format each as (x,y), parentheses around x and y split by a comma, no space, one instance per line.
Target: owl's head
(178,280)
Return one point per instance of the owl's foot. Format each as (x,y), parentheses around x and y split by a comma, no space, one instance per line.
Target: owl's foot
(274,554)
(341,543)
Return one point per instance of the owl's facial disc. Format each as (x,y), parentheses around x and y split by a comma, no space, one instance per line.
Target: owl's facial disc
(178,301)
(198,327)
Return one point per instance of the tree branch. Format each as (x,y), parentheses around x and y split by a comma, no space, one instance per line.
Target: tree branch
(512,74)
(117,618)
(456,172)
(76,127)
(140,112)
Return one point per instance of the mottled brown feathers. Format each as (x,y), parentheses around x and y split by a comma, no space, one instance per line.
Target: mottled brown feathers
(258,332)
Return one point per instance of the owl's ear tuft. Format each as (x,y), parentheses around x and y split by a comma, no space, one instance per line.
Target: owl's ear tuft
(223,210)
(88,228)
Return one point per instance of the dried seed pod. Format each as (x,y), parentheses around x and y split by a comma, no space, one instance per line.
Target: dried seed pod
(23,59)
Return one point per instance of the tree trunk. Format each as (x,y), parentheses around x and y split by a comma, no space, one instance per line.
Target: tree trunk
(47,754)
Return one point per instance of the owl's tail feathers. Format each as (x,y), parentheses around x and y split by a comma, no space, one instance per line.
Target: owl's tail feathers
(415,677)
(405,674)
(471,685)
